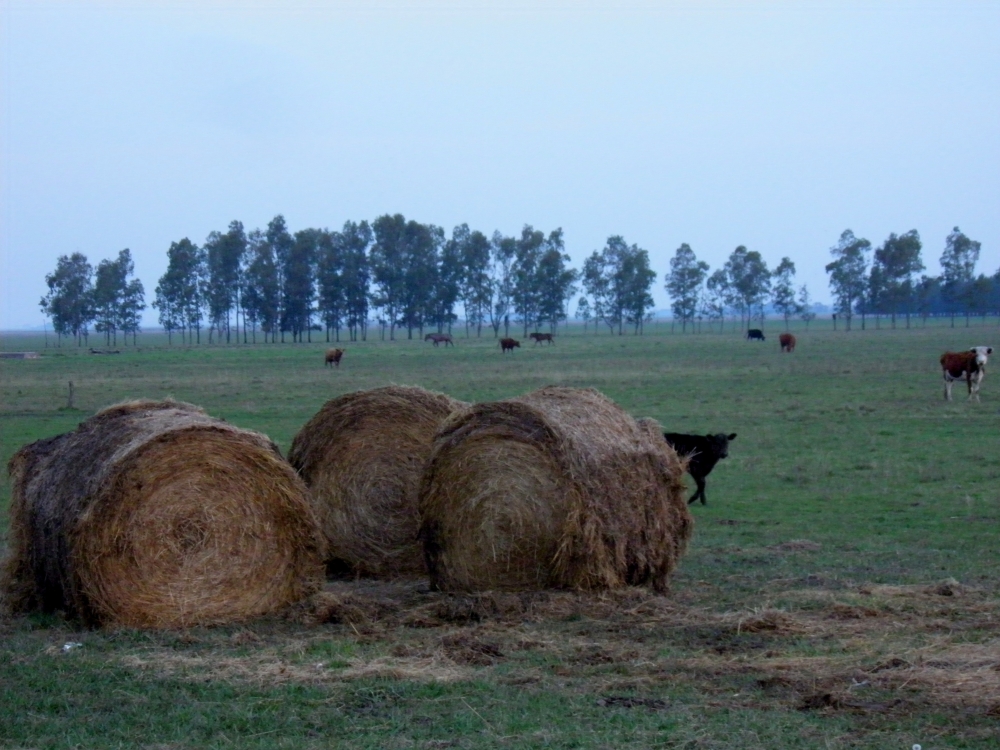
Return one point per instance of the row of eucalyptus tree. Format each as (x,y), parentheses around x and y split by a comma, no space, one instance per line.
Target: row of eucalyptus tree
(744,286)
(107,297)
(396,273)
(884,283)
(878,284)
(401,274)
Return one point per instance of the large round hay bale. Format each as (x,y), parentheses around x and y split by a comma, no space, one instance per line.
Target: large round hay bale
(559,488)
(153,514)
(362,457)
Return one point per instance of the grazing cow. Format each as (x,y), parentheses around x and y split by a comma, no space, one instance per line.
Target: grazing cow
(540,337)
(333,357)
(439,338)
(508,344)
(970,365)
(755,334)
(703,452)
(787,342)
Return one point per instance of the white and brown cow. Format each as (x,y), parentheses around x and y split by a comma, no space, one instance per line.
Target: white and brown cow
(968,365)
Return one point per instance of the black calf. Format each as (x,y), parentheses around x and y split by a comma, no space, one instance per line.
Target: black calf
(755,334)
(703,451)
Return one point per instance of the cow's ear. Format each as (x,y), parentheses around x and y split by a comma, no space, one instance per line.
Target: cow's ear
(733,436)
(989,349)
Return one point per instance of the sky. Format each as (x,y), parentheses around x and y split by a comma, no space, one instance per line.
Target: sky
(774,125)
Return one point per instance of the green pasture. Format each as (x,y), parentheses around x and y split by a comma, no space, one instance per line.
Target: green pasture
(850,538)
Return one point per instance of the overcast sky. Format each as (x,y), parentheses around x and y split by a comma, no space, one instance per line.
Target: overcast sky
(774,125)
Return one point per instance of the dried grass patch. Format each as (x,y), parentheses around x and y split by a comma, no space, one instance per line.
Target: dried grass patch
(263,668)
(612,643)
(432,669)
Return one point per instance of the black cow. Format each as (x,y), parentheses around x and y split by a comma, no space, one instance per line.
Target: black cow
(755,334)
(703,452)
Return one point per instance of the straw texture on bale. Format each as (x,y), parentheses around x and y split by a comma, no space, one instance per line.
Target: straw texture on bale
(559,488)
(362,457)
(153,514)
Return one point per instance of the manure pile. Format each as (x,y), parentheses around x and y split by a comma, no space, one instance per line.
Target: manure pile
(153,514)
(362,457)
(559,488)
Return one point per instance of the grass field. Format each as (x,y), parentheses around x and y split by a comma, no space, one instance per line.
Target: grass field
(841,589)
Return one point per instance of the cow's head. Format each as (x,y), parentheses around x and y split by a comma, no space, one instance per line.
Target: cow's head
(981,352)
(720,443)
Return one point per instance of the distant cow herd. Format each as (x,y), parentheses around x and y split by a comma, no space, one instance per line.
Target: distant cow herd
(703,452)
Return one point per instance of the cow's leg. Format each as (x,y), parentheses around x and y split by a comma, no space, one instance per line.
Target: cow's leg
(700,494)
(974,386)
(947,388)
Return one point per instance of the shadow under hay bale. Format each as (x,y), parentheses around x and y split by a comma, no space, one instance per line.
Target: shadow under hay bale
(362,457)
(153,514)
(559,488)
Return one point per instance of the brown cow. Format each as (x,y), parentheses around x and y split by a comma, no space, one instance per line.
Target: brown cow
(540,337)
(439,338)
(787,342)
(333,357)
(970,365)
(506,344)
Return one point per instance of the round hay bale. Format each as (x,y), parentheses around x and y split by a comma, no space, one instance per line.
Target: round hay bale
(559,488)
(362,457)
(155,515)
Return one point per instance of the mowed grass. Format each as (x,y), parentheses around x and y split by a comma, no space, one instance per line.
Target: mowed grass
(841,589)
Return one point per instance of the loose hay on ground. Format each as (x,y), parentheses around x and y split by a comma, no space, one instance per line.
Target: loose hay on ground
(362,456)
(559,488)
(153,514)
(626,641)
